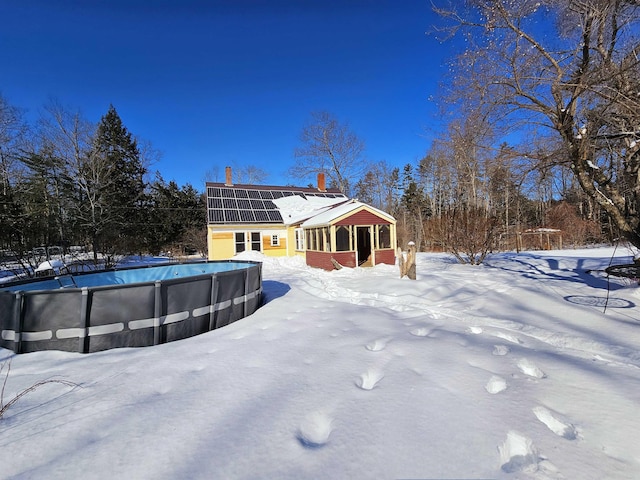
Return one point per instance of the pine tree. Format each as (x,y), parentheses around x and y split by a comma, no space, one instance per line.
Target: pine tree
(119,212)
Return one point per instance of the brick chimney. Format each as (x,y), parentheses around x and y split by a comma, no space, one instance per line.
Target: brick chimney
(321,182)
(227,173)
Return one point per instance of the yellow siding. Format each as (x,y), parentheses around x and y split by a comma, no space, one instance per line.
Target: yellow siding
(274,251)
(221,245)
(291,241)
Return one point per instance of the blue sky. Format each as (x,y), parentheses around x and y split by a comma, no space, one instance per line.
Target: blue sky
(216,83)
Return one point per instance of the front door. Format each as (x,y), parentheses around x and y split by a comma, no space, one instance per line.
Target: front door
(363,245)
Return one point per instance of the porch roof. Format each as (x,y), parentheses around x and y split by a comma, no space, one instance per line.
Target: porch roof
(328,216)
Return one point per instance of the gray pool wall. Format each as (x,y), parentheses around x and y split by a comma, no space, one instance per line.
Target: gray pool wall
(140,307)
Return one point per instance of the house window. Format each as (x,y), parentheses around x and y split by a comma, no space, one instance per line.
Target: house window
(240,242)
(321,239)
(256,244)
(311,239)
(275,240)
(384,236)
(342,238)
(299,239)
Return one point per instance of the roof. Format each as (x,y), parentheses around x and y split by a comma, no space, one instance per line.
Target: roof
(295,209)
(228,204)
(330,214)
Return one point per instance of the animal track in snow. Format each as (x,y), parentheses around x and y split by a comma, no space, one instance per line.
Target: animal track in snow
(560,428)
(500,350)
(496,384)
(518,454)
(529,368)
(369,379)
(315,429)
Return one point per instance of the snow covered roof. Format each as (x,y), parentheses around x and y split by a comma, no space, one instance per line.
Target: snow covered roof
(331,214)
(227,204)
(297,209)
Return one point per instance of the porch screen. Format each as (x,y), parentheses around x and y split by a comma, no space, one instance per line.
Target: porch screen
(384,236)
(342,238)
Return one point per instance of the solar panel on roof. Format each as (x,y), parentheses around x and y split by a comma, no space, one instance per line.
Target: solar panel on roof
(261,215)
(274,216)
(232,216)
(216,216)
(247,216)
(230,203)
(251,205)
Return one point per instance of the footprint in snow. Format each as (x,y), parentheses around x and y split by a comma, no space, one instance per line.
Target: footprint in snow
(315,429)
(560,428)
(529,368)
(500,350)
(496,384)
(376,345)
(518,454)
(369,379)
(420,332)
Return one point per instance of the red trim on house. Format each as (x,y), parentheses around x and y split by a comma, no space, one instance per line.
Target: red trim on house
(387,256)
(363,217)
(323,259)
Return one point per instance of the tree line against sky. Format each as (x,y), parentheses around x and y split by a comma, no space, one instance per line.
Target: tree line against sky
(543,114)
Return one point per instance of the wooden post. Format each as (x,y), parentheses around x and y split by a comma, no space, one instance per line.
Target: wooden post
(408,264)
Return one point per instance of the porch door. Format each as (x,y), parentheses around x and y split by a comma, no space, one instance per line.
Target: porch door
(363,244)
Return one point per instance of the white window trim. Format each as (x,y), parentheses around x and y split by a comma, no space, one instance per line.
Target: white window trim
(276,237)
(300,239)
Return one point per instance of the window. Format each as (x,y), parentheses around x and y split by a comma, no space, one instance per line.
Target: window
(240,246)
(321,239)
(342,238)
(384,236)
(299,239)
(256,244)
(311,239)
(275,240)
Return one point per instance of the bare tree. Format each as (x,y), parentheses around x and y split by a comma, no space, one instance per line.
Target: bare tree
(250,174)
(330,147)
(12,129)
(377,187)
(570,68)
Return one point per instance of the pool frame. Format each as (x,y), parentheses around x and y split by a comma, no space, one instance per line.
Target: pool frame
(96,318)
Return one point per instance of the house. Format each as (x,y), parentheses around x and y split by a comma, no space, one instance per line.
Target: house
(322,225)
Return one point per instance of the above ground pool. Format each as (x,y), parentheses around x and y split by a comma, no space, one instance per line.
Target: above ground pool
(130,307)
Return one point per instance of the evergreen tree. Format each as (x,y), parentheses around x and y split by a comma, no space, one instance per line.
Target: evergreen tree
(174,212)
(117,174)
(416,205)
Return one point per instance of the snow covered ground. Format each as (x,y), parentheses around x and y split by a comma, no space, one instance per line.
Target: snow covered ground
(525,367)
